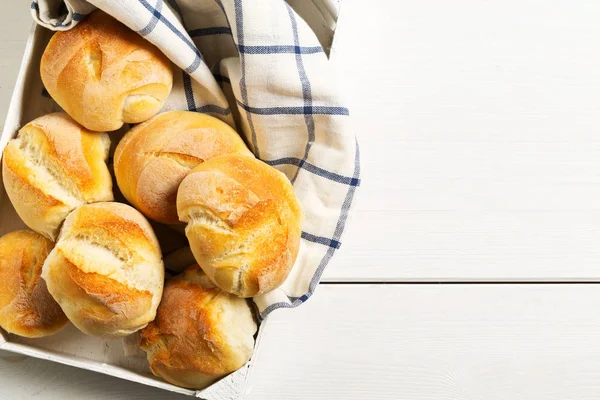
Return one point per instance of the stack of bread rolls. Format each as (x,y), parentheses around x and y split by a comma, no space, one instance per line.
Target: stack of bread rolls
(98,263)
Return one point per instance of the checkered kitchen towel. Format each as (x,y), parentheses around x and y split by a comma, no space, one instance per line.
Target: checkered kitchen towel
(256,65)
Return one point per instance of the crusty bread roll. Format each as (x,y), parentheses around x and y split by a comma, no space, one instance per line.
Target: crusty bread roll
(153,158)
(106,270)
(103,74)
(53,166)
(26,307)
(243,223)
(200,333)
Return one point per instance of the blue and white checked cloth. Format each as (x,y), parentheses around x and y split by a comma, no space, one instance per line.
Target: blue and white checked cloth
(256,65)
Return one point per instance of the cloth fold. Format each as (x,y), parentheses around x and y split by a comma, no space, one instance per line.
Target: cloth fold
(258,66)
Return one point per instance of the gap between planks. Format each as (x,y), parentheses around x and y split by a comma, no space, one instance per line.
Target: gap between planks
(458,282)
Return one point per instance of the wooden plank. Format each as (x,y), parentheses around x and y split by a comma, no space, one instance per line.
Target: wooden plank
(479,132)
(427,341)
(464,245)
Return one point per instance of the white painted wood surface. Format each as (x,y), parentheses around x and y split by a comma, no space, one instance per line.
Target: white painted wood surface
(481,161)
(480,138)
(428,341)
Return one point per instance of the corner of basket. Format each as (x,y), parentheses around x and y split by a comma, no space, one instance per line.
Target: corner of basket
(3,339)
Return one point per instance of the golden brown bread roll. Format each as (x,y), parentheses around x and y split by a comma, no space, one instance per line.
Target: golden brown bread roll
(53,166)
(153,158)
(200,333)
(104,74)
(243,223)
(106,270)
(26,307)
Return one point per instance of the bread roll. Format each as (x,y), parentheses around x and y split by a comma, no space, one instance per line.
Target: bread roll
(26,307)
(104,74)
(106,270)
(154,157)
(200,333)
(243,223)
(53,166)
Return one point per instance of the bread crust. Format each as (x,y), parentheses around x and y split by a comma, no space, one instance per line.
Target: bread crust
(153,158)
(103,74)
(26,307)
(200,333)
(243,223)
(53,166)
(106,270)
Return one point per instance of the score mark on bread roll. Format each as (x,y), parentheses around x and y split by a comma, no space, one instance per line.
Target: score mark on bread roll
(53,166)
(200,333)
(153,158)
(243,223)
(26,307)
(104,74)
(106,270)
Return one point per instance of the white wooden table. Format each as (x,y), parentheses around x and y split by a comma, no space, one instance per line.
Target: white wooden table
(479,125)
